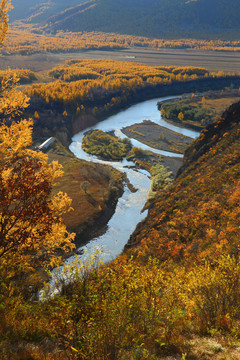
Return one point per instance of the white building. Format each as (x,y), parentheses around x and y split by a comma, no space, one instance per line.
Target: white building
(46,143)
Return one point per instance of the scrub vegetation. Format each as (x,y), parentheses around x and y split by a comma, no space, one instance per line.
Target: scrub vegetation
(199,111)
(97,142)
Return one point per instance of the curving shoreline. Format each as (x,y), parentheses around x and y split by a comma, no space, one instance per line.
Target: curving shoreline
(129,207)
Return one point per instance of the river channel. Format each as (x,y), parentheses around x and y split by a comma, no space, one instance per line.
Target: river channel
(128,211)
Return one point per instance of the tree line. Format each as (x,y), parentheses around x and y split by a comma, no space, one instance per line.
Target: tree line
(26,40)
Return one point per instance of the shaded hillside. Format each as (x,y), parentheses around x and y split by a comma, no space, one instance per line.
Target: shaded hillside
(198,217)
(154,18)
(210,136)
(35,11)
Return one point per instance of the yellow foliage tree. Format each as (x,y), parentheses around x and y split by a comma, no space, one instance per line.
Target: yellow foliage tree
(30,219)
(12,101)
(5,6)
(180,116)
(32,233)
(36,115)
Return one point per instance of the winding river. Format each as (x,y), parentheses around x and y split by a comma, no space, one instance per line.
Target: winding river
(128,212)
(129,208)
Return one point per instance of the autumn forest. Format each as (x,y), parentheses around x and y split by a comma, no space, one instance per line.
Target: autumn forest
(173,291)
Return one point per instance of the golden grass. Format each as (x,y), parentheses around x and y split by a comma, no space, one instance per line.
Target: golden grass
(220,105)
(87,205)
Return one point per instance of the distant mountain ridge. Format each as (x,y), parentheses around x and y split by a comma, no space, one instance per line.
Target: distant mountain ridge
(153,18)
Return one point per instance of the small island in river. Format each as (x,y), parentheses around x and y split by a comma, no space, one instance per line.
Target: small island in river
(158,137)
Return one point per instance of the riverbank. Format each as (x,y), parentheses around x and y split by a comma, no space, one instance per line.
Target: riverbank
(96,225)
(84,92)
(65,127)
(200,110)
(94,190)
(129,210)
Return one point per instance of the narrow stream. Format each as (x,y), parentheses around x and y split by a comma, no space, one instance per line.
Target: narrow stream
(128,211)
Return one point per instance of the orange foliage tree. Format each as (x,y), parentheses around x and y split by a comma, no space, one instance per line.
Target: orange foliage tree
(31,228)
(30,224)
(5,6)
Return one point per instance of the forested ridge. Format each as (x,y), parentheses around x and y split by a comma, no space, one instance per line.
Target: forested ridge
(154,18)
(84,91)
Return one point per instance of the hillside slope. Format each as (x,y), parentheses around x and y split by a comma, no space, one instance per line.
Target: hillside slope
(140,307)
(35,11)
(154,18)
(198,217)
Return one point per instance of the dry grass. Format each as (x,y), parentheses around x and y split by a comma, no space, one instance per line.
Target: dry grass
(220,105)
(213,348)
(165,57)
(90,204)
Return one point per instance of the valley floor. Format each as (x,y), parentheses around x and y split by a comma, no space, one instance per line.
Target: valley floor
(212,60)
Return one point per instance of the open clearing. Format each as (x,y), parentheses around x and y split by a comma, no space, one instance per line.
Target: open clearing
(212,60)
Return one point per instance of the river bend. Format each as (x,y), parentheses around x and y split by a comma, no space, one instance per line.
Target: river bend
(128,211)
